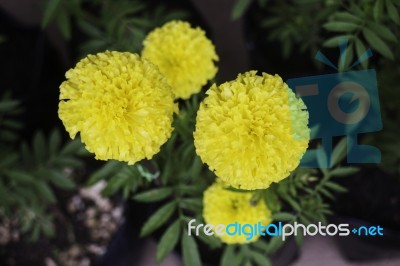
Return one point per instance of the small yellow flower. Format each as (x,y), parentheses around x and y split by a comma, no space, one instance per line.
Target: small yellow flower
(184,56)
(222,206)
(252,131)
(121,105)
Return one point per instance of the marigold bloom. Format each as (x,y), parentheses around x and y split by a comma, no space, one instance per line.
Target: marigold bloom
(184,56)
(121,105)
(222,206)
(252,131)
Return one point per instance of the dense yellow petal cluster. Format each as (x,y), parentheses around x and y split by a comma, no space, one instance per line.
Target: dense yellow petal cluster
(184,56)
(121,105)
(252,131)
(222,206)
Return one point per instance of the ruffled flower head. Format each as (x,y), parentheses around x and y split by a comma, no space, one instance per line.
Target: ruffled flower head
(222,206)
(252,131)
(121,105)
(184,55)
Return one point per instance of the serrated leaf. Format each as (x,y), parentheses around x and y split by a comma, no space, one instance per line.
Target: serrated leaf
(393,12)
(335,187)
(283,216)
(260,259)
(339,152)
(168,241)
(341,26)
(49,11)
(344,171)
(190,253)
(240,8)
(153,195)
(377,43)
(158,219)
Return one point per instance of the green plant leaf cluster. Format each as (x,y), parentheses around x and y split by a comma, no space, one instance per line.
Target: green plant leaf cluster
(30,172)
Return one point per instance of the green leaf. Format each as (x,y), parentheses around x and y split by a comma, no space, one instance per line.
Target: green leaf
(54,142)
(109,168)
(283,216)
(322,160)
(49,11)
(272,200)
(326,193)
(334,41)
(228,257)
(72,147)
(189,249)
(68,162)
(378,9)
(347,17)
(194,204)
(240,8)
(344,171)
(39,147)
(274,244)
(360,49)
(341,26)
(260,259)
(158,219)
(168,241)
(20,176)
(393,12)
(377,43)
(8,105)
(339,152)
(335,187)
(64,24)
(45,191)
(59,180)
(153,195)
(382,31)
(299,238)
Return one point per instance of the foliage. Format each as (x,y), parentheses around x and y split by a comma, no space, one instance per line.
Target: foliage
(309,24)
(304,196)
(30,173)
(110,24)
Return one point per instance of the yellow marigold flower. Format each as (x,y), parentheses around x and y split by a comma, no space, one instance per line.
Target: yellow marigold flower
(121,105)
(252,131)
(222,206)
(184,56)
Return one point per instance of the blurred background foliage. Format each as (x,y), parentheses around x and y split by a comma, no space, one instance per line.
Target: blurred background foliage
(34,169)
